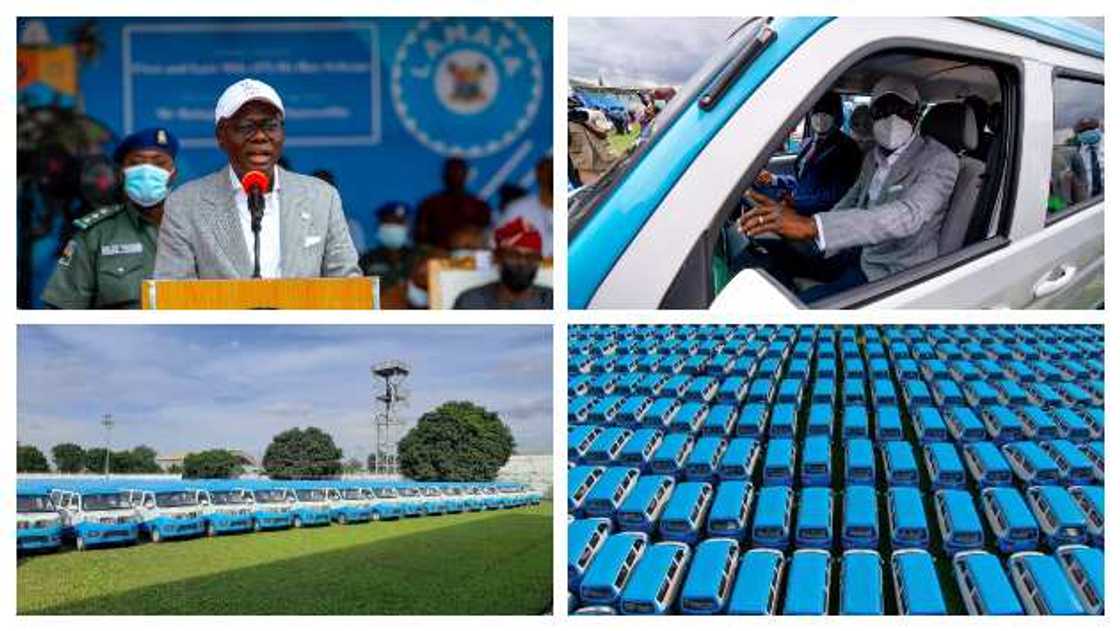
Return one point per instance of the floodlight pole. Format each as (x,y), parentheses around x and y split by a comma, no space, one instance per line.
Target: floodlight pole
(107,423)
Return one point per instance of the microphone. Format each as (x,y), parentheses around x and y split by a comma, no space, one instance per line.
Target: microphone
(254,183)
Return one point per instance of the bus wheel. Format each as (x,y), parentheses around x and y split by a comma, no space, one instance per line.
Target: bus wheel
(156,537)
(80,543)
(211,531)
(342,518)
(297,522)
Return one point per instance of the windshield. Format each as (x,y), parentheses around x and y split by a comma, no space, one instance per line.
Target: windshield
(220,498)
(34,504)
(352,494)
(430,492)
(583,202)
(311,495)
(269,495)
(385,493)
(105,501)
(410,492)
(173,499)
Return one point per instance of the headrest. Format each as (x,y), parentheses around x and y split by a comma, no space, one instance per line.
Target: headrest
(953,125)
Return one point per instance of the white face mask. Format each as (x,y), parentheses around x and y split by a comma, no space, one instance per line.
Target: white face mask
(417,296)
(821,122)
(892,132)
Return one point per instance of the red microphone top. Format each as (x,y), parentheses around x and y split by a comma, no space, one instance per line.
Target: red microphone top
(254,179)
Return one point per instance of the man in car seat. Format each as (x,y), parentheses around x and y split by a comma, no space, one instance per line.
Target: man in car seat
(826,167)
(894,211)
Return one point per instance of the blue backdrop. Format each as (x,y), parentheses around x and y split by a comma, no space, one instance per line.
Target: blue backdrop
(379,102)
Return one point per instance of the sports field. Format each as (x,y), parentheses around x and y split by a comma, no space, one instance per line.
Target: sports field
(496,562)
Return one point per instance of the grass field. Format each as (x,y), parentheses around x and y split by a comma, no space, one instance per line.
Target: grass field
(476,563)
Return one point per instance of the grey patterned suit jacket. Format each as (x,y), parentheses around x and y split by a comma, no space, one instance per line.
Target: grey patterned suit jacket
(900,228)
(200,235)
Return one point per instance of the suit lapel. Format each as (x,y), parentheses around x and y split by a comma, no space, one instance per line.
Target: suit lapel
(901,169)
(293,218)
(223,215)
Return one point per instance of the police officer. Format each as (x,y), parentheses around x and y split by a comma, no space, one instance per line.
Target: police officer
(393,258)
(115,246)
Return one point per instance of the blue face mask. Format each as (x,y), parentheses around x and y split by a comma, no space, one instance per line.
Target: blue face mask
(1089,136)
(146,184)
(392,235)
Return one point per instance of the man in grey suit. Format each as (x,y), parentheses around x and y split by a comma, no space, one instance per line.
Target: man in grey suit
(206,230)
(896,207)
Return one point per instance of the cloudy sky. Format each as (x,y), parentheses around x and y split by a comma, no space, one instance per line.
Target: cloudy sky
(185,388)
(652,51)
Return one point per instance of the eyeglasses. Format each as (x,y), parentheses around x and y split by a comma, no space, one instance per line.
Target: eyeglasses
(246,129)
(892,105)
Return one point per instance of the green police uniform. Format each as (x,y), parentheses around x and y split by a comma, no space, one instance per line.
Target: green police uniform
(102,266)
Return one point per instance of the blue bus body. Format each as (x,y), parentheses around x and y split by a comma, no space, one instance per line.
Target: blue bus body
(772,516)
(944,466)
(656,580)
(739,459)
(609,491)
(757,585)
(814,518)
(642,508)
(860,527)
(777,468)
(958,521)
(708,584)
(816,461)
(917,587)
(684,515)
(1042,586)
(861,583)
(899,466)
(811,572)
(1059,518)
(984,586)
(1010,519)
(1084,569)
(585,538)
(609,571)
(986,464)
(906,516)
(730,509)
(859,462)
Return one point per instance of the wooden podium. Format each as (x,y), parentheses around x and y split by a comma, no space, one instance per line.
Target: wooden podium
(355,292)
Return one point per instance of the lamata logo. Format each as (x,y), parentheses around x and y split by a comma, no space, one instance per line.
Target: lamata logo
(467,86)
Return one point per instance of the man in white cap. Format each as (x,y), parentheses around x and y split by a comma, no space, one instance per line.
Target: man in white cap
(895,209)
(207,228)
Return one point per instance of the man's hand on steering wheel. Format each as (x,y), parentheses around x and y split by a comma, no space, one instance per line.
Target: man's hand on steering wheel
(777,219)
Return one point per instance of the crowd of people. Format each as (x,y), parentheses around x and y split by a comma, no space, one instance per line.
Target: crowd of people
(591,125)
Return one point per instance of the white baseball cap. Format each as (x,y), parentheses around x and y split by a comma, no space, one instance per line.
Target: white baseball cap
(889,84)
(241,93)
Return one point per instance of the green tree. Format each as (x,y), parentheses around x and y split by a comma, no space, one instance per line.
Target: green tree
(212,463)
(68,458)
(456,441)
(30,460)
(302,453)
(95,460)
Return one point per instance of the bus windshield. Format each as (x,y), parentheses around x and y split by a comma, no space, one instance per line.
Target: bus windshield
(175,499)
(583,202)
(105,501)
(34,504)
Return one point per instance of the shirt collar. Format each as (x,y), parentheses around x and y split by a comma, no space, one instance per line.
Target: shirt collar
(236,183)
(892,157)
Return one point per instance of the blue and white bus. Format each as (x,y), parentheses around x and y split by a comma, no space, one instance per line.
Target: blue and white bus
(810,574)
(656,580)
(642,508)
(1010,519)
(703,461)
(986,464)
(684,515)
(859,462)
(609,491)
(906,518)
(984,586)
(929,426)
(816,461)
(963,424)
(752,421)
(1042,586)
(917,589)
(783,421)
(730,509)
(739,459)
(861,583)
(1002,423)
(1084,569)
(1074,466)
(1059,518)
(958,521)
(777,467)
(608,572)
(580,481)
(1090,499)
(758,583)
(639,449)
(860,526)
(708,585)
(814,518)
(888,423)
(899,466)
(38,522)
(943,466)
(670,456)
(772,518)
(1031,464)
(585,538)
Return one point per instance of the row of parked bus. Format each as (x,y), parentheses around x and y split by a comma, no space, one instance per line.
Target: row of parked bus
(819,517)
(629,575)
(707,447)
(100,512)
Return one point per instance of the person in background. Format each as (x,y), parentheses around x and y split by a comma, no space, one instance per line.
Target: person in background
(509,193)
(441,214)
(1090,149)
(825,168)
(393,259)
(115,246)
(588,150)
(517,252)
(537,209)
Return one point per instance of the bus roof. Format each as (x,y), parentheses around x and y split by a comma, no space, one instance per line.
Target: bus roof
(920,587)
(771,507)
(684,497)
(729,499)
(1062,504)
(580,532)
(808,570)
(752,587)
(645,580)
(860,506)
(861,583)
(992,586)
(817,449)
(1015,509)
(961,510)
(906,504)
(814,507)
(1053,587)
